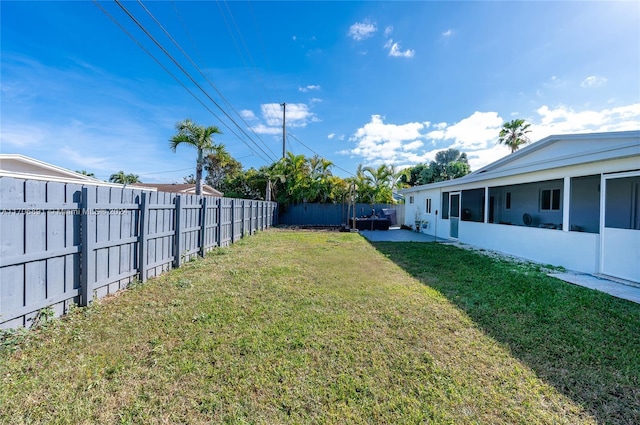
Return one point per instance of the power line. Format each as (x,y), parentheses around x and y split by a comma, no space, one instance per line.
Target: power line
(316,153)
(166,69)
(170,73)
(186,73)
(175,43)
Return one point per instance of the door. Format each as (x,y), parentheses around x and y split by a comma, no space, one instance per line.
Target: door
(620,226)
(454,214)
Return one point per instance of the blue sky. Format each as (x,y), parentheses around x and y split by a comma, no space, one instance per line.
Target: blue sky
(364,82)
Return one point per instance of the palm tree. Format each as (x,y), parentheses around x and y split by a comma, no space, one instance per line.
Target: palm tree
(381,180)
(121,178)
(199,137)
(85,173)
(514,134)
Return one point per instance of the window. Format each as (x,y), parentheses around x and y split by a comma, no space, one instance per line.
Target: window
(445,205)
(428,206)
(411,199)
(507,204)
(550,199)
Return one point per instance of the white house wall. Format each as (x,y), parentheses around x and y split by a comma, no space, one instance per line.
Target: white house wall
(574,250)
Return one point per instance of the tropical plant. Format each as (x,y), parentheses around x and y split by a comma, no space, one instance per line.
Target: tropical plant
(514,134)
(122,178)
(448,164)
(381,183)
(85,173)
(220,165)
(199,137)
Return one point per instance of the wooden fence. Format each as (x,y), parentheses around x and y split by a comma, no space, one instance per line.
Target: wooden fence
(63,244)
(309,214)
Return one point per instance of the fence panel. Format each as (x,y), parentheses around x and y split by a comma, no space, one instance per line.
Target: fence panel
(64,244)
(238,219)
(38,253)
(211,225)
(159,234)
(330,214)
(226,221)
(189,227)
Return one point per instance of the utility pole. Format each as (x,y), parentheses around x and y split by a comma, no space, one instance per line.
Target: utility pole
(284,128)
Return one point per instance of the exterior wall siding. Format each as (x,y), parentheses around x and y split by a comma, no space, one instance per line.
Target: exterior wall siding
(63,244)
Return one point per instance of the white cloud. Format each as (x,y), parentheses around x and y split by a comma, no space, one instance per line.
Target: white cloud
(440,125)
(297,115)
(362,30)
(331,136)
(379,142)
(563,120)
(387,31)
(308,88)
(272,113)
(247,114)
(395,51)
(263,129)
(593,81)
(81,160)
(21,135)
(447,33)
(471,133)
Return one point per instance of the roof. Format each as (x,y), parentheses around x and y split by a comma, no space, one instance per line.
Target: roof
(180,188)
(553,152)
(24,167)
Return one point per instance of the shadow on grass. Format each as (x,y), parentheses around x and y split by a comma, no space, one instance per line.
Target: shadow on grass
(583,342)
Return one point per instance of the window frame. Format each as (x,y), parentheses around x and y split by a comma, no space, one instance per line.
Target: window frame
(554,203)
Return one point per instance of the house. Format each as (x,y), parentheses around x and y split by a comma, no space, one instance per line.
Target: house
(189,189)
(23,167)
(568,200)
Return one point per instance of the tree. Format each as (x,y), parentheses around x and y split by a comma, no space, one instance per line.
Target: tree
(220,165)
(190,179)
(86,173)
(381,180)
(447,165)
(514,134)
(320,187)
(198,137)
(121,178)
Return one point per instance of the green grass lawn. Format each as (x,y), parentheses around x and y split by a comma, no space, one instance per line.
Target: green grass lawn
(323,327)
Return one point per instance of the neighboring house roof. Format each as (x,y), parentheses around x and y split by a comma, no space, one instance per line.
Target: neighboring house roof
(24,167)
(553,152)
(180,188)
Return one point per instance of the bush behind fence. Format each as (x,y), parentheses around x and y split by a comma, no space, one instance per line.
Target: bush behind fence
(63,244)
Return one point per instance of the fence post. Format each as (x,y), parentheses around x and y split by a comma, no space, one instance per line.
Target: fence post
(244,219)
(178,237)
(233,220)
(88,273)
(144,233)
(203,225)
(219,217)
